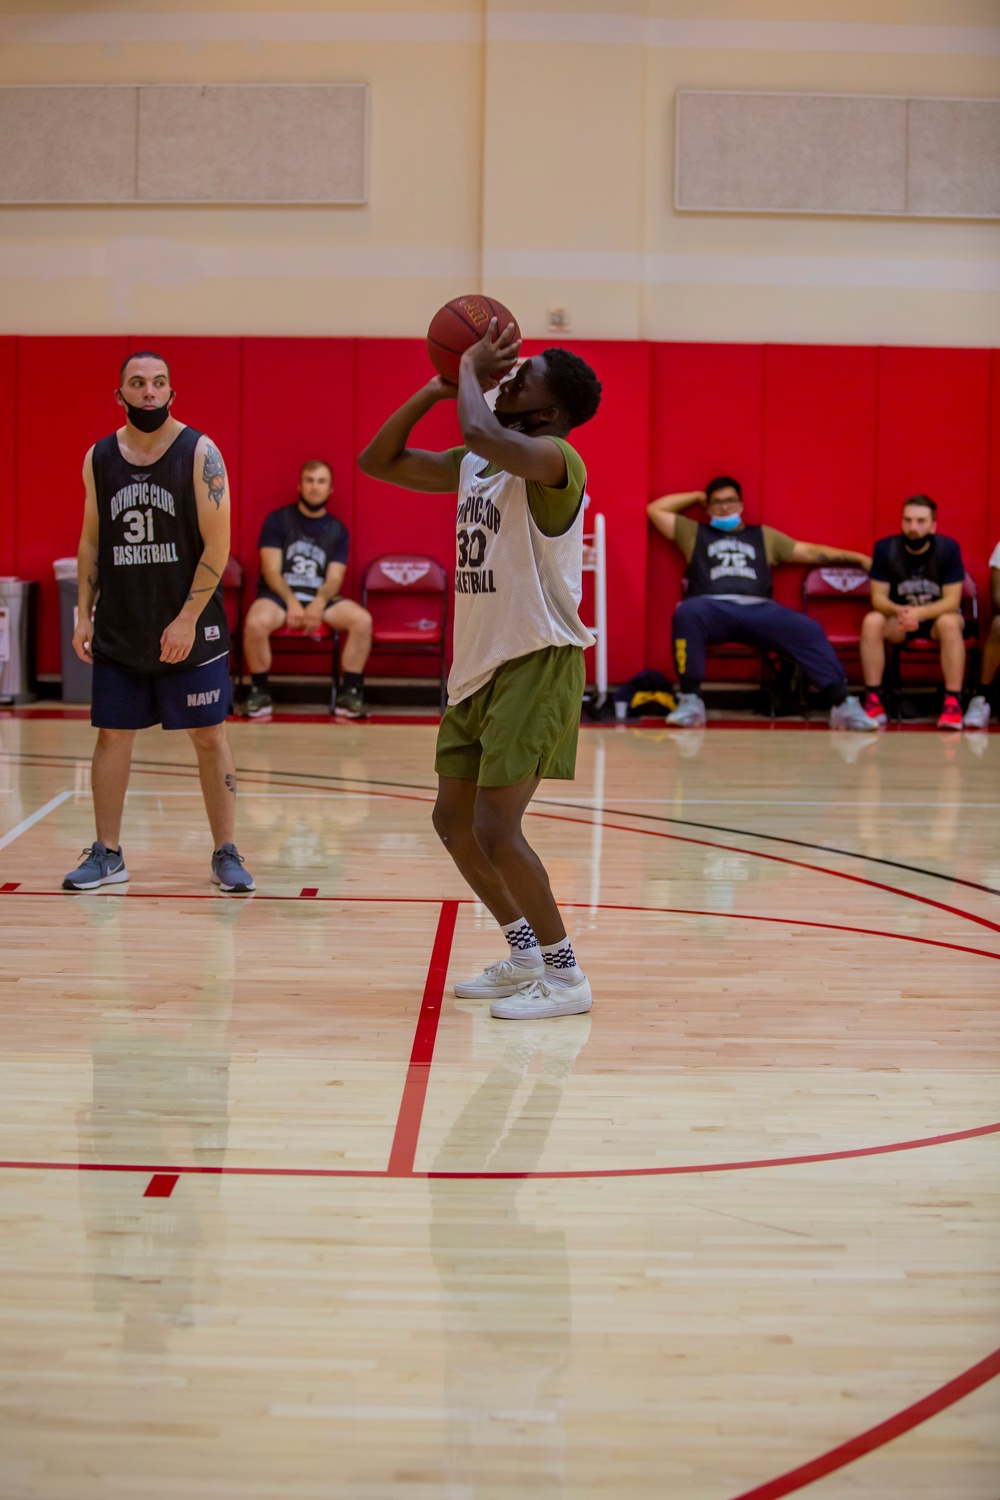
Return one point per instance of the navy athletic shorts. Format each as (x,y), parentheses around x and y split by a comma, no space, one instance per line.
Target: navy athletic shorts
(192,699)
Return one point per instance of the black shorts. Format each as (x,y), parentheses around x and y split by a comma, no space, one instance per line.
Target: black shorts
(922,633)
(193,699)
(264,593)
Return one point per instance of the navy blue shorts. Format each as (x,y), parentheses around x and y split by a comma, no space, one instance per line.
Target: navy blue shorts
(192,699)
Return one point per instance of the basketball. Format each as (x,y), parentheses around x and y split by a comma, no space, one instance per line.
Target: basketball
(461,323)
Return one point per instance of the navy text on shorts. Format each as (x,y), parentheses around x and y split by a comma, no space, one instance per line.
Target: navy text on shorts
(193,699)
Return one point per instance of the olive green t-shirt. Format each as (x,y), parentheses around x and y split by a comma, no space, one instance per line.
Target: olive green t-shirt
(553,509)
(778,547)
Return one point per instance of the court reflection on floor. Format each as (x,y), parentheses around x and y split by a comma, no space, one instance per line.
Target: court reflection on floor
(505,1282)
(160,1096)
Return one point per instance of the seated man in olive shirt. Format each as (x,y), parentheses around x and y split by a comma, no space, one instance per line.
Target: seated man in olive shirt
(728,598)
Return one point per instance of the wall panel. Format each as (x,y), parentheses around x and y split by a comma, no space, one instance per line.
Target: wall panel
(933,416)
(706,415)
(615,447)
(8,451)
(819,449)
(65,403)
(388,519)
(993,532)
(206,375)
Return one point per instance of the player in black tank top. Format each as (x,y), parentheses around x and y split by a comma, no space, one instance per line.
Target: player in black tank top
(154,545)
(149,548)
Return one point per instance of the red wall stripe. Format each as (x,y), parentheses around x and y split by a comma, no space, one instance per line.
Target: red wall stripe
(826,441)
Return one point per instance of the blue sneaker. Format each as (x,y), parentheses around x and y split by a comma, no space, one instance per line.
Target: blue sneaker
(101,866)
(228,872)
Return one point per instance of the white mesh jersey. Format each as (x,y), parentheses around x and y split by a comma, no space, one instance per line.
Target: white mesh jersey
(516,589)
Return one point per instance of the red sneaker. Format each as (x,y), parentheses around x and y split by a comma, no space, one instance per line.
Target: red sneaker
(875,709)
(951,714)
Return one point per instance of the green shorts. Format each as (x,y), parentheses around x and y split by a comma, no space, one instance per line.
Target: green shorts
(524,722)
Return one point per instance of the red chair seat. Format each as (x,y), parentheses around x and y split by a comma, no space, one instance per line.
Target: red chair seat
(324,633)
(428,634)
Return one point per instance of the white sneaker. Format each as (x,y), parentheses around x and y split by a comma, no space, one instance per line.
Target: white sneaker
(500,979)
(850,715)
(689,713)
(538,1001)
(977,715)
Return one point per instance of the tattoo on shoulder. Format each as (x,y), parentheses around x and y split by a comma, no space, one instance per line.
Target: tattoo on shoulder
(213,472)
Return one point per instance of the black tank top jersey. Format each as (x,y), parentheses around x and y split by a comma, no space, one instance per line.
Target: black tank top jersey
(729,562)
(149,545)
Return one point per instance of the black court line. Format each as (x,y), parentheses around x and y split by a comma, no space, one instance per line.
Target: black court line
(416,786)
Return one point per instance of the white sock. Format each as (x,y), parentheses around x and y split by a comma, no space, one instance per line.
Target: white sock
(561,967)
(522,943)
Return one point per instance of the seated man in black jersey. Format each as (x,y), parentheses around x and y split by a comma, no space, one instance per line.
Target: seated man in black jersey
(916,580)
(728,598)
(303,558)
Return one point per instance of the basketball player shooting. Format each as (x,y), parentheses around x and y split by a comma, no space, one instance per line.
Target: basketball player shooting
(154,544)
(517,678)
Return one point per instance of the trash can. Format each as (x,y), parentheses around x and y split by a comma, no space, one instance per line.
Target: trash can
(18,605)
(76,674)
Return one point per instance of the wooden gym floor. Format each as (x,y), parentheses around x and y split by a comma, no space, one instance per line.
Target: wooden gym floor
(282,1220)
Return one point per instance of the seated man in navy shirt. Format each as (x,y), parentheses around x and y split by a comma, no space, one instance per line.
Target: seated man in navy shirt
(916,583)
(728,598)
(303,558)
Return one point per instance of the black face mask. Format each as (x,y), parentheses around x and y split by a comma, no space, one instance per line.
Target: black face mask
(918,545)
(312,504)
(514,421)
(146,419)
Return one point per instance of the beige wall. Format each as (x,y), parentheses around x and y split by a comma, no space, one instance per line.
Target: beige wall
(525,150)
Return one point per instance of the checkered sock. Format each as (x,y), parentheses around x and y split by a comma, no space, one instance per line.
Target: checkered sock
(522,943)
(561,967)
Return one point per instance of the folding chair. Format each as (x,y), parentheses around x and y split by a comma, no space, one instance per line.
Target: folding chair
(232,603)
(313,643)
(407,596)
(839,598)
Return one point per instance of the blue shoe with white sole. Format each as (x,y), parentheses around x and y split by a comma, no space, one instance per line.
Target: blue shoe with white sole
(228,872)
(101,866)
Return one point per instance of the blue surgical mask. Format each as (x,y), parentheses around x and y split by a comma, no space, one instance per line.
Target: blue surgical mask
(726,523)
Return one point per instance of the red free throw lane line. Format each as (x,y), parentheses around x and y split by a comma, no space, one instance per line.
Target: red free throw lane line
(876,1437)
(411,1106)
(689,1169)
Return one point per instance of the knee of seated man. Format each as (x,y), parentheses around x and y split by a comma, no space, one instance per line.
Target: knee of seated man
(952,624)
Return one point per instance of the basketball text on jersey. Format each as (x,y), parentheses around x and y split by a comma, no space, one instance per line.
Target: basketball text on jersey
(203,700)
(731,558)
(141,492)
(148,552)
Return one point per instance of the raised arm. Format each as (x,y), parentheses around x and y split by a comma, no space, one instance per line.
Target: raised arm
(211,492)
(663,511)
(820,555)
(388,457)
(86,564)
(483,367)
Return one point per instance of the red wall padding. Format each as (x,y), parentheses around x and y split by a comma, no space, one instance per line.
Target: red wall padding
(827,442)
(8,450)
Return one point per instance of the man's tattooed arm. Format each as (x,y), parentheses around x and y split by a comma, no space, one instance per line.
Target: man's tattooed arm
(209,588)
(213,472)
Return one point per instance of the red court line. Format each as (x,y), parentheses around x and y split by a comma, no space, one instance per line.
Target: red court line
(161,1185)
(691,1169)
(309,893)
(656,833)
(876,1437)
(778,859)
(411,1106)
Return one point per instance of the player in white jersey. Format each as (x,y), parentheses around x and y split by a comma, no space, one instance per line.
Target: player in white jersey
(517,678)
